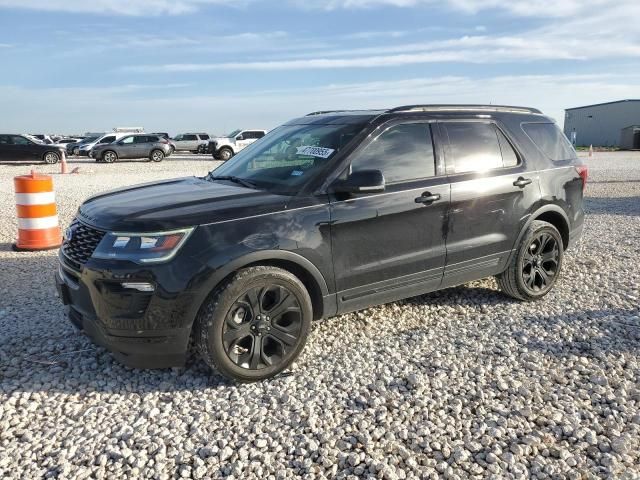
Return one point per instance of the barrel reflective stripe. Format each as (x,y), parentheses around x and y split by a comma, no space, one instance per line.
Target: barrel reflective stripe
(40,198)
(37,223)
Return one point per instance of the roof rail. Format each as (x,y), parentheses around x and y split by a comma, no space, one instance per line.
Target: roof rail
(322,112)
(462,108)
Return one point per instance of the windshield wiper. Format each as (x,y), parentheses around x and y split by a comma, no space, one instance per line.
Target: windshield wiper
(234,179)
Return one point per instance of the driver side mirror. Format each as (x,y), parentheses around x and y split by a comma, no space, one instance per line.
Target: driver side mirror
(239,137)
(362,181)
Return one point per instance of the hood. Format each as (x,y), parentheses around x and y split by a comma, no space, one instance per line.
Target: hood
(178,203)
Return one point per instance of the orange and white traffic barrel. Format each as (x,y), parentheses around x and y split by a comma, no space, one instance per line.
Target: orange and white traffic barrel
(37,213)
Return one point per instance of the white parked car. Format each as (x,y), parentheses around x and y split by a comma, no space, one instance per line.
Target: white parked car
(191,142)
(223,148)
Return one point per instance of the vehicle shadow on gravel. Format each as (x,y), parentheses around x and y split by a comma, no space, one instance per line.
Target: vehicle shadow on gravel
(612,205)
(597,332)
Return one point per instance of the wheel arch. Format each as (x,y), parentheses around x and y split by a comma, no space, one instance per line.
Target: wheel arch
(296,264)
(552,214)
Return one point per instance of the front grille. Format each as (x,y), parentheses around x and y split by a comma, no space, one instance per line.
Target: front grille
(84,240)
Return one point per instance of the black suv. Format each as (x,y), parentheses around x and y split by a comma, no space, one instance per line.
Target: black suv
(329,213)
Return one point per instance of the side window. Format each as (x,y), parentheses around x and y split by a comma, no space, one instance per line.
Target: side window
(550,140)
(473,147)
(204,137)
(128,140)
(18,140)
(259,134)
(179,137)
(509,156)
(402,152)
(5,140)
(189,137)
(109,139)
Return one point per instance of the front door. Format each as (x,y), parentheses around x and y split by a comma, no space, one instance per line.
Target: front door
(127,147)
(491,195)
(391,245)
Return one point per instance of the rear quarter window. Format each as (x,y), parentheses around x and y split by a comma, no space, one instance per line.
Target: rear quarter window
(550,141)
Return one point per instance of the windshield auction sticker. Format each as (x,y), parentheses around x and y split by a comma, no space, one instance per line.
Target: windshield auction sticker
(319,152)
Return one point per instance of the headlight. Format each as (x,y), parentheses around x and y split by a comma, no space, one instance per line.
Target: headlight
(142,247)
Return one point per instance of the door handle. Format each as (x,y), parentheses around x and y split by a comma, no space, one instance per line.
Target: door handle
(427,198)
(522,182)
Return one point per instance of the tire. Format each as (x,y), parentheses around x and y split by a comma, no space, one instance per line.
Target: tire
(75,151)
(109,156)
(51,158)
(225,154)
(263,307)
(536,265)
(156,155)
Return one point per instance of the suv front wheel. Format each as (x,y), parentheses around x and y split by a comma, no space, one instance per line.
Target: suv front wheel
(536,265)
(255,324)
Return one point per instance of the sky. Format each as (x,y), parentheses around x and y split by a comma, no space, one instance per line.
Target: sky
(72,66)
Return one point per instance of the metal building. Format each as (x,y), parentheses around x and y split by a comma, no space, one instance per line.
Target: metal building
(600,124)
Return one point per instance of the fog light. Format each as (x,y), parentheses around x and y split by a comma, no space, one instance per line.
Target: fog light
(140,286)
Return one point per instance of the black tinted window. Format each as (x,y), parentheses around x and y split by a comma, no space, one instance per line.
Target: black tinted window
(550,140)
(189,137)
(18,140)
(509,156)
(204,136)
(259,134)
(109,139)
(473,147)
(403,152)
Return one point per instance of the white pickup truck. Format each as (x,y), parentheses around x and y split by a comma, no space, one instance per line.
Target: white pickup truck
(223,148)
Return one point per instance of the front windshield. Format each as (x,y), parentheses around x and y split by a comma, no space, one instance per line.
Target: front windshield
(288,157)
(234,133)
(90,140)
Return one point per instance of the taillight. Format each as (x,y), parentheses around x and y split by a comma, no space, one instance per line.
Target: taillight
(583,171)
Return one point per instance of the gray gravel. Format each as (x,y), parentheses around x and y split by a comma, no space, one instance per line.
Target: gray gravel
(456,384)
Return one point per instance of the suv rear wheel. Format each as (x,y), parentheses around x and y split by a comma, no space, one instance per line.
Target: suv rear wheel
(157,155)
(255,324)
(535,268)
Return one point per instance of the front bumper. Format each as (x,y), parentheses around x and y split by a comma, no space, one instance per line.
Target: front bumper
(140,329)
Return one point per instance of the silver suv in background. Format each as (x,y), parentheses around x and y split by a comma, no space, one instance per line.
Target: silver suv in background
(223,148)
(141,145)
(191,142)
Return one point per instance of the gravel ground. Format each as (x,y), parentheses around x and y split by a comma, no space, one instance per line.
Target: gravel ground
(456,384)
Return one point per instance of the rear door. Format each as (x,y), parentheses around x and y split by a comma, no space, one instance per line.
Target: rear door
(391,245)
(492,194)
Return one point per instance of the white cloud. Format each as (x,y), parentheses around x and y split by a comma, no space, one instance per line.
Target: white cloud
(38,109)
(118,7)
(537,8)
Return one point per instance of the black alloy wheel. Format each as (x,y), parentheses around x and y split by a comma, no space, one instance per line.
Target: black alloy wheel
(262,327)
(540,263)
(535,267)
(254,324)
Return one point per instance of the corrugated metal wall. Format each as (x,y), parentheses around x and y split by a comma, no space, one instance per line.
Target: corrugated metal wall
(601,125)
